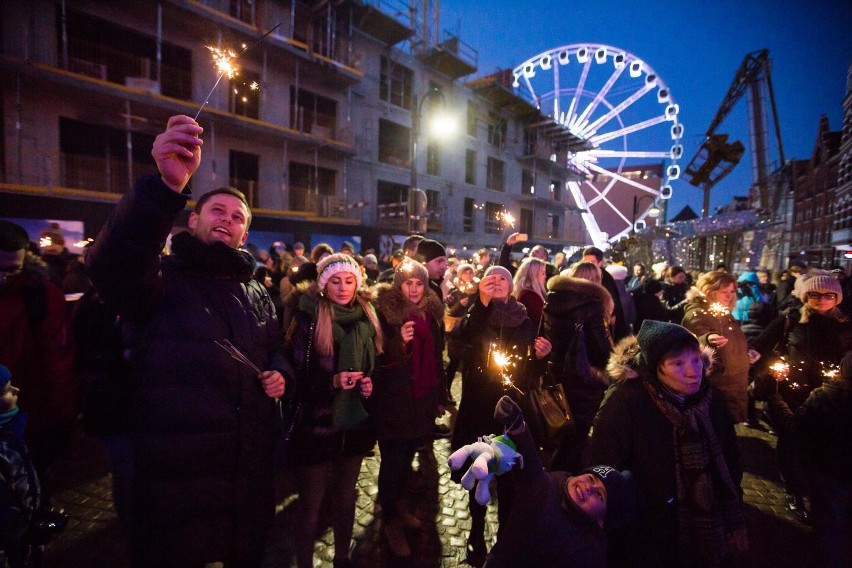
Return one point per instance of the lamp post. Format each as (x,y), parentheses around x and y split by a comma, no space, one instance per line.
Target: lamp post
(653,212)
(416,199)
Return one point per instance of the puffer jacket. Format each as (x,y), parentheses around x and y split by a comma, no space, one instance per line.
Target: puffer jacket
(204,430)
(395,413)
(631,433)
(748,292)
(572,301)
(314,440)
(730,373)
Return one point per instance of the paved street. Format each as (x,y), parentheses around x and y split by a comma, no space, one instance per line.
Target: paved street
(93,539)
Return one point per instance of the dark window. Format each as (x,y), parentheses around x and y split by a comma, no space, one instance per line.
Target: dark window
(394,144)
(433,159)
(495,175)
(527,183)
(526,221)
(313,113)
(244,173)
(553,226)
(307,184)
(243,10)
(471,118)
(555,189)
(98,48)
(468,215)
(470,166)
(244,99)
(395,83)
(496,130)
(493,224)
(94,156)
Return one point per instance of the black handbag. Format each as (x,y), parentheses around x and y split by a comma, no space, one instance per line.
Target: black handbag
(546,411)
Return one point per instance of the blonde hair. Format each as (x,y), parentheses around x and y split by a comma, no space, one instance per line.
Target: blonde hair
(323,337)
(715,281)
(527,277)
(587,271)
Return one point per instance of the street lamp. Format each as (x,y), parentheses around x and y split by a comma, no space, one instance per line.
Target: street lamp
(441,125)
(653,212)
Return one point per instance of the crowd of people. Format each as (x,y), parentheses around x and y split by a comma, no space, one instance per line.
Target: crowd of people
(208,369)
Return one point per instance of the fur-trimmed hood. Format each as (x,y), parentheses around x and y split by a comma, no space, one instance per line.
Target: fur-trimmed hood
(578,291)
(397,309)
(626,363)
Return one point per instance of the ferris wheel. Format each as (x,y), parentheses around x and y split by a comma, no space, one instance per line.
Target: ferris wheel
(617,115)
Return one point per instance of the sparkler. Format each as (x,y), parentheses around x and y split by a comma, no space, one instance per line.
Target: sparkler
(239,356)
(830,371)
(225,62)
(780,370)
(505,363)
(719,311)
(507,218)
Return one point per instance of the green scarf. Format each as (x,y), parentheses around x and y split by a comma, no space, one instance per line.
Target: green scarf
(353,335)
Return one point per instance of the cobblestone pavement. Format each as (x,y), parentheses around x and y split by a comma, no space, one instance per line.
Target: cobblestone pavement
(93,539)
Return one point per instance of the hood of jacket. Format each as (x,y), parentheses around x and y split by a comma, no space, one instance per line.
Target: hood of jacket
(626,363)
(397,309)
(566,293)
(750,277)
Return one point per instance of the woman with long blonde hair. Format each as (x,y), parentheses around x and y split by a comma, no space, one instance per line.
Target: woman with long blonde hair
(333,343)
(529,286)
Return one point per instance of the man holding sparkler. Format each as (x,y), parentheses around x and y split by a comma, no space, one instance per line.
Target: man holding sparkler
(207,363)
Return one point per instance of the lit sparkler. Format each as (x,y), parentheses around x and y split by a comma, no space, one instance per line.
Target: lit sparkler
(505,363)
(507,218)
(830,371)
(780,370)
(225,62)
(718,310)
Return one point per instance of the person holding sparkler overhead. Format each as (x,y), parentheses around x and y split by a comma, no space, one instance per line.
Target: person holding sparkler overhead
(708,315)
(503,355)
(204,416)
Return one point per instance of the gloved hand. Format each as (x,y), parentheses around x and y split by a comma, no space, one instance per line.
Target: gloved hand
(491,456)
(508,413)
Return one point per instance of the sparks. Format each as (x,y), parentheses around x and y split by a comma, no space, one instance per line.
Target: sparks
(780,370)
(254,86)
(507,218)
(718,310)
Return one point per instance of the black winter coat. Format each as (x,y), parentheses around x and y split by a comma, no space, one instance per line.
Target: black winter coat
(204,430)
(395,413)
(570,301)
(314,440)
(482,386)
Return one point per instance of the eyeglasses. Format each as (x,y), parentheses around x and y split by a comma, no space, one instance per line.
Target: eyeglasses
(818,295)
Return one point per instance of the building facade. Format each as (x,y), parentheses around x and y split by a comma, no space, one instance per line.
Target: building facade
(323,126)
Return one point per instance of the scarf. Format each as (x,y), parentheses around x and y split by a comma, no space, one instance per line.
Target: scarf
(215,259)
(424,375)
(510,313)
(353,335)
(708,503)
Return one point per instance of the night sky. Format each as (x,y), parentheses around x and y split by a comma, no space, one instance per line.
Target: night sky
(695,47)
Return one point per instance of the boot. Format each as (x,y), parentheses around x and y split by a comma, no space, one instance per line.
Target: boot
(476,551)
(395,535)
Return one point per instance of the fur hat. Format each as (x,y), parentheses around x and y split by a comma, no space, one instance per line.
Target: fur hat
(335,263)
(656,338)
(820,283)
(623,498)
(428,250)
(497,269)
(408,269)
(617,271)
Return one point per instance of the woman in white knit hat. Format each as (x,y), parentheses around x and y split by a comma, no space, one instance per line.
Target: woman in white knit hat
(333,343)
(814,338)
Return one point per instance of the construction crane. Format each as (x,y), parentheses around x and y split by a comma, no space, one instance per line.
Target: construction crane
(716,157)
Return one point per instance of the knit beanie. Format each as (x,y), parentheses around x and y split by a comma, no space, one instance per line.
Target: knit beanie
(5,376)
(496,269)
(408,269)
(617,271)
(334,264)
(820,283)
(370,259)
(623,498)
(428,250)
(656,338)
(54,233)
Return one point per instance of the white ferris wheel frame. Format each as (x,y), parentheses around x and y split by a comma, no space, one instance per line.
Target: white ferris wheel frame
(598,132)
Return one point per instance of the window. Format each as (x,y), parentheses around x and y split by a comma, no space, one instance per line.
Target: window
(526,221)
(243,98)
(433,159)
(471,119)
(496,130)
(313,113)
(495,174)
(244,173)
(555,189)
(530,140)
(470,166)
(394,144)
(243,10)
(527,183)
(395,83)
(308,181)
(553,226)
(493,225)
(467,222)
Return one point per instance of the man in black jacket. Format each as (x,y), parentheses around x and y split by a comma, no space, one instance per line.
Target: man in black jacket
(619,328)
(207,363)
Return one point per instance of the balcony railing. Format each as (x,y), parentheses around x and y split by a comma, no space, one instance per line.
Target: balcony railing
(99,173)
(306,200)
